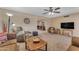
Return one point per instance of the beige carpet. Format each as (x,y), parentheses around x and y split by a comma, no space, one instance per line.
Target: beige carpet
(21,46)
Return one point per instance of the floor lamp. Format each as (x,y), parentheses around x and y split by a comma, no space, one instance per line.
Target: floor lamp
(9,17)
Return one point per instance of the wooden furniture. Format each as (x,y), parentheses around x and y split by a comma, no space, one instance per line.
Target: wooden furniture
(75,44)
(9,45)
(30,45)
(73,48)
(75,41)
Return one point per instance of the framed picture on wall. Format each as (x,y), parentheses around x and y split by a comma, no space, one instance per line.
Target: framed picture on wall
(41,25)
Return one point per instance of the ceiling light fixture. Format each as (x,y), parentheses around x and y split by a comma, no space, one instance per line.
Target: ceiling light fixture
(51,13)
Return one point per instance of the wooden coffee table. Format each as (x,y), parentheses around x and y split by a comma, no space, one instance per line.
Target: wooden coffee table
(30,45)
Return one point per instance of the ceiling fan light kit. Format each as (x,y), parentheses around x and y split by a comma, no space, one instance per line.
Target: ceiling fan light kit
(51,13)
(51,10)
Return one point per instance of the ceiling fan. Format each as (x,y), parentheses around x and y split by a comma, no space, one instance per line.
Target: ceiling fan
(52,10)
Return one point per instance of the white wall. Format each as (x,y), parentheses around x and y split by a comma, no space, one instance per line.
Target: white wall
(56,22)
(18,19)
(0,23)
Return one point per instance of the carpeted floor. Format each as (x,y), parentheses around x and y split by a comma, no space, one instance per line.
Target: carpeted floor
(21,46)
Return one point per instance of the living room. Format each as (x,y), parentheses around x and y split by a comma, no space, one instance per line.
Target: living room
(20,22)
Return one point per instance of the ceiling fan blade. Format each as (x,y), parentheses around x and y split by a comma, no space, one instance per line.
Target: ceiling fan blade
(56,12)
(57,8)
(46,10)
(45,13)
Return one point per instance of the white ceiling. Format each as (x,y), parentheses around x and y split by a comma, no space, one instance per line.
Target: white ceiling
(39,10)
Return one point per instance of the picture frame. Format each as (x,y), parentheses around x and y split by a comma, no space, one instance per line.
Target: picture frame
(41,25)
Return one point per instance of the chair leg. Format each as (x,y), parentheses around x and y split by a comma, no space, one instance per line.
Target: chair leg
(46,47)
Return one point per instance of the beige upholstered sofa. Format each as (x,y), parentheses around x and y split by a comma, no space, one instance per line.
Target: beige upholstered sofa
(9,45)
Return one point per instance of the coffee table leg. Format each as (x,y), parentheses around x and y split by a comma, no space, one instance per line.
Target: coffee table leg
(46,47)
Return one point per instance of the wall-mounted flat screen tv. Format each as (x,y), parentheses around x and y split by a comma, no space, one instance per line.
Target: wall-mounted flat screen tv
(67,25)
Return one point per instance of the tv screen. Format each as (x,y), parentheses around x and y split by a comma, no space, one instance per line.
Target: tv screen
(67,25)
